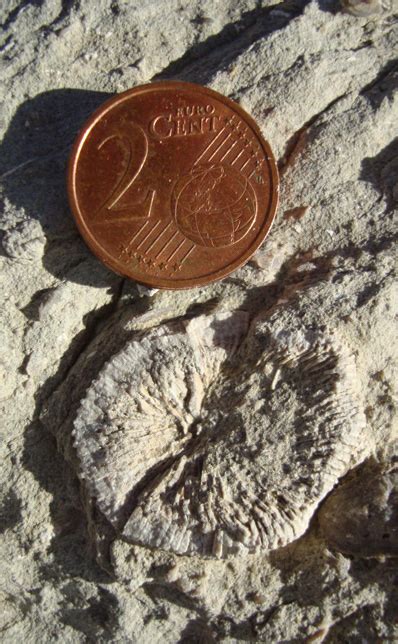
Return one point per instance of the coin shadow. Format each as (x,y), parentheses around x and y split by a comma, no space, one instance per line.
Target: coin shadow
(33,159)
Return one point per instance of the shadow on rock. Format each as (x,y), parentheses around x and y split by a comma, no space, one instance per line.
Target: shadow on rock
(75,542)
(10,511)
(330,6)
(382,172)
(219,50)
(95,617)
(33,160)
(70,550)
(198,631)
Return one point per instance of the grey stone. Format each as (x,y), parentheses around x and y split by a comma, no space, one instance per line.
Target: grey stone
(323,87)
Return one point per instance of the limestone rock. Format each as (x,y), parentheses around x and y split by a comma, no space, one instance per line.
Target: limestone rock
(322,85)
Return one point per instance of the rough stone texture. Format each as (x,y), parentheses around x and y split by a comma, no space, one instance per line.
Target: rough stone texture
(322,84)
(361,516)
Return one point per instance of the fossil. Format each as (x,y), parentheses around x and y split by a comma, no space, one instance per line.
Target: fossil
(216,436)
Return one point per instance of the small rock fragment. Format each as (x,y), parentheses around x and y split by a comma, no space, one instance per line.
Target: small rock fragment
(361,7)
(361,517)
(145,291)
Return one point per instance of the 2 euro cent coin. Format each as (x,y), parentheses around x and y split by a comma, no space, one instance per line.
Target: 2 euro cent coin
(172,185)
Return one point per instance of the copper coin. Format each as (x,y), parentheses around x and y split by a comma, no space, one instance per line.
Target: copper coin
(172,185)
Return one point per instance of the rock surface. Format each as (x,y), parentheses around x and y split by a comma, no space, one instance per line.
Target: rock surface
(361,516)
(321,81)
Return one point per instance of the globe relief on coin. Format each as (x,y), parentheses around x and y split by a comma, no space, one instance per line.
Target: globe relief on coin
(172,185)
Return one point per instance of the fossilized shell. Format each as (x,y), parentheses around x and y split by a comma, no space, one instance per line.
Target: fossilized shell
(206,437)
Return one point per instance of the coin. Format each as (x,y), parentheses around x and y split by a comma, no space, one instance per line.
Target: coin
(172,185)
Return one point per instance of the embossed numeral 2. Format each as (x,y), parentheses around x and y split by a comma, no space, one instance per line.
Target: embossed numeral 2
(135,147)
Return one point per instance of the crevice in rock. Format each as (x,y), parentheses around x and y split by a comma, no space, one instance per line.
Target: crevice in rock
(298,140)
(156,591)
(391,68)
(234,38)
(14,13)
(67,6)
(37,159)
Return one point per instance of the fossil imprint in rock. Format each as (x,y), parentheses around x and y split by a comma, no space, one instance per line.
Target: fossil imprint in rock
(209,437)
